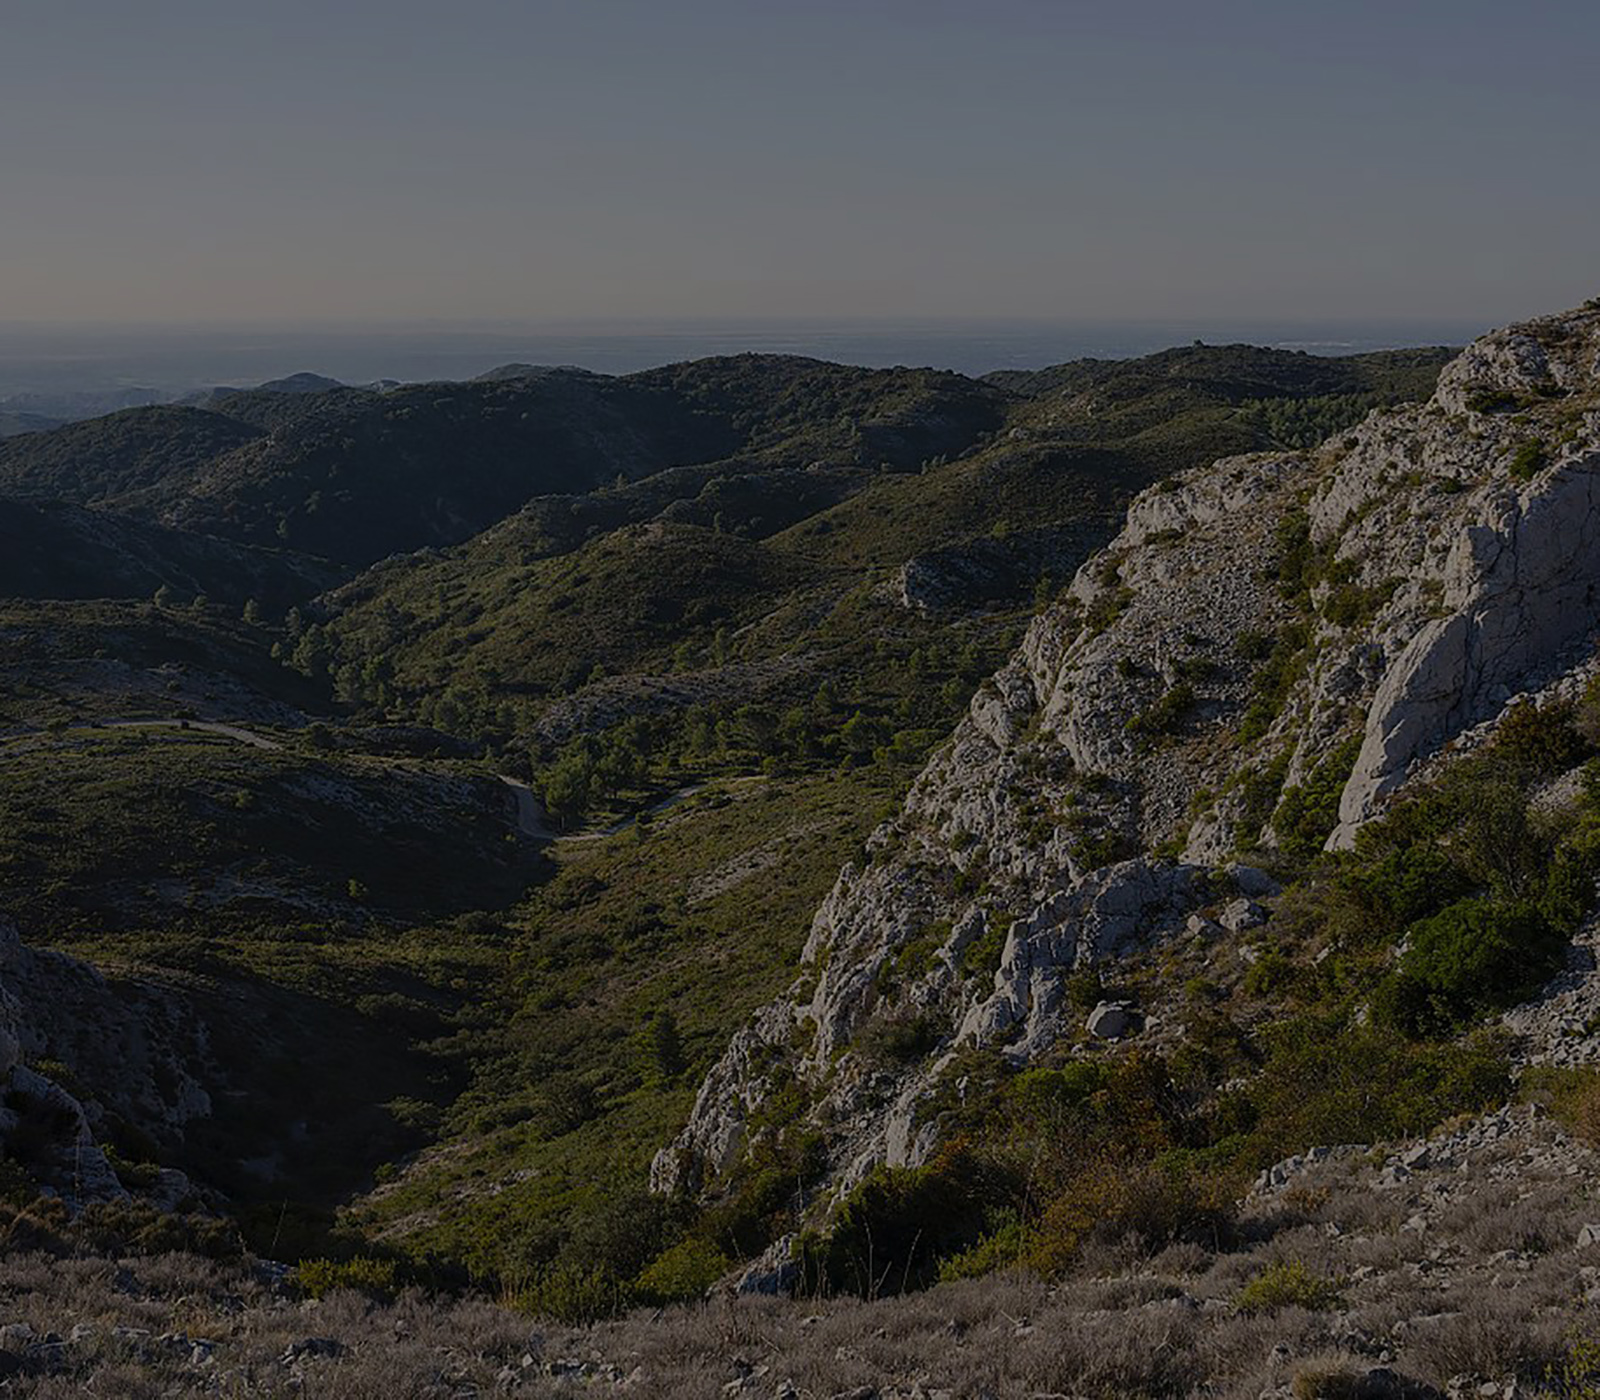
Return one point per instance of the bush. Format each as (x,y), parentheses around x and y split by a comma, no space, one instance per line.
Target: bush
(575,1294)
(981,957)
(1084,988)
(1287,1285)
(1541,741)
(1308,812)
(1039,1093)
(1394,887)
(890,1233)
(1271,972)
(1273,680)
(1528,460)
(1114,1196)
(1165,715)
(1476,956)
(1577,1375)
(1251,645)
(900,1039)
(686,1271)
(132,1227)
(1572,1095)
(378,1278)
(1326,1082)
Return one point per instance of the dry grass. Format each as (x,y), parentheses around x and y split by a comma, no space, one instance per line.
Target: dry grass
(1488,1285)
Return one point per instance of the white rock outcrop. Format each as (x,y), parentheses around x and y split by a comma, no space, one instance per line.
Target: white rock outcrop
(1328,622)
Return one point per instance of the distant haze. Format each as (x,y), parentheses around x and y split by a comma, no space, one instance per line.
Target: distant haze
(48,369)
(847,160)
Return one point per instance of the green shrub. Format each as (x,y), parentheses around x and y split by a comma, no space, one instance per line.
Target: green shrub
(134,1227)
(1351,605)
(1166,714)
(1002,1245)
(1492,400)
(1572,1095)
(1196,669)
(1528,460)
(1251,645)
(1542,741)
(1110,1197)
(1259,789)
(1328,1081)
(686,1271)
(899,1039)
(1297,556)
(1038,1093)
(1476,956)
(1270,973)
(1308,812)
(890,1233)
(17,1188)
(575,1294)
(1398,886)
(1085,989)
(1287,1284)
(1107,607)
(378,1278)
(1273,680)
(981,957)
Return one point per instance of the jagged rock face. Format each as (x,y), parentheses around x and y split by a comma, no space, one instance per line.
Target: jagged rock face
(136,1049)
(1101,917)
(136,1044)
(1414,575)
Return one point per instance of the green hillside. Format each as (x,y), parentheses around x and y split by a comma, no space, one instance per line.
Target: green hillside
(716,616)
(55,550)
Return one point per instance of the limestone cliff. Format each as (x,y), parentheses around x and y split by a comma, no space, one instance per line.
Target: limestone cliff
(1269,650)
(77,1054)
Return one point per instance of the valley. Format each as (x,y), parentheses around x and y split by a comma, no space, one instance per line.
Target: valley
(772,826)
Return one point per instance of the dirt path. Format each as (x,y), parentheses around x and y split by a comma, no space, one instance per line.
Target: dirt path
(531,819)
(27,743)
(205,726)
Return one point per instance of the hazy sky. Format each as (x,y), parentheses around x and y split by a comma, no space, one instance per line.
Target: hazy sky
(570,159)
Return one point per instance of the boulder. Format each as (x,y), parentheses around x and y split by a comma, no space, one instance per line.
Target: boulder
(772,1273)
(1240,914)
(1112,1020)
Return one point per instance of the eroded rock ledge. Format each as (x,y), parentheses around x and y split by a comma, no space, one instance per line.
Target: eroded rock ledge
(1345,615)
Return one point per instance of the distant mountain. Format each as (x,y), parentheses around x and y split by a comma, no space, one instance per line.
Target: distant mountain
(521,371)
(13,424)
(636,577)
(56,550)
(115,458)
(73,405)
(302,383)
(355,474)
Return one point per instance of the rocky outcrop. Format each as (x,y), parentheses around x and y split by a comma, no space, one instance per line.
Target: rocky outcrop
(1272,626)
(1098,919)
(128,1055)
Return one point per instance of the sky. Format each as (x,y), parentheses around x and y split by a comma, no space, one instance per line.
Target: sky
(551,161)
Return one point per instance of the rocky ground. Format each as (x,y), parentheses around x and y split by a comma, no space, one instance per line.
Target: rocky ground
(1464,1265)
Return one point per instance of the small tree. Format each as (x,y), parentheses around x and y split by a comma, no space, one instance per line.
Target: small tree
(663,1045)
